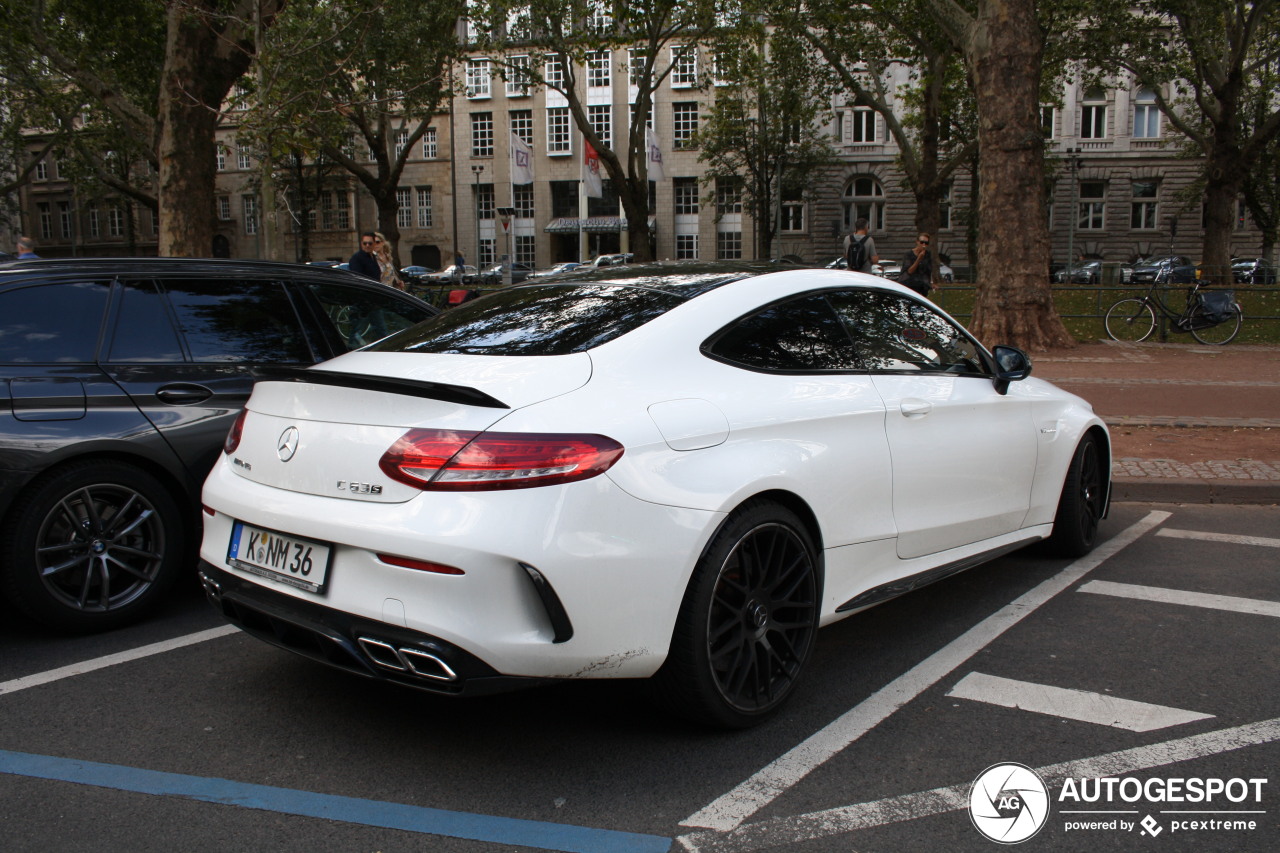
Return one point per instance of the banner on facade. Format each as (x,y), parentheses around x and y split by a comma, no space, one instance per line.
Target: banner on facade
(653,156)
(592,185)
(521,161)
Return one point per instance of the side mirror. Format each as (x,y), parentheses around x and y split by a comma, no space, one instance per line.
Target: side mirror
(1012,365)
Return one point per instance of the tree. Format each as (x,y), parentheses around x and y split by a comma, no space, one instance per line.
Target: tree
(661,34)
(1003,45)
(344,77)
(762,126)
(1211,66)
(161,69)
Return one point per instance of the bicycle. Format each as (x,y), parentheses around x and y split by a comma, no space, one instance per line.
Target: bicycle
(1212,317)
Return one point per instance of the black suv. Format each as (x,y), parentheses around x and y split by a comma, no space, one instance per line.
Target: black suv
(120,378)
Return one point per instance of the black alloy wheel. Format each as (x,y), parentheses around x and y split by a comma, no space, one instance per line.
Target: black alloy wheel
(748,622)
(93,547)
(1083,501)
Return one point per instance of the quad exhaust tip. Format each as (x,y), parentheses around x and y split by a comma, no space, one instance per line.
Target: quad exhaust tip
(407,659)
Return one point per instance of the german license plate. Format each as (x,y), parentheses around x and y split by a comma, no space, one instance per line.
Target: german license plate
(279,557)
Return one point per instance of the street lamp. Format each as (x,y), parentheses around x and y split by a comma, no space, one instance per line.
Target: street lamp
(477,170)
(1073,163)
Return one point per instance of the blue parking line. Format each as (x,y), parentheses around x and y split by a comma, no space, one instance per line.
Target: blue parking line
(476,827)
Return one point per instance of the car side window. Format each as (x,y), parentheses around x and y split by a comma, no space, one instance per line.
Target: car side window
(52,323)
(144,332)
(801,335)
(363,316)
(896,334)
(233,320)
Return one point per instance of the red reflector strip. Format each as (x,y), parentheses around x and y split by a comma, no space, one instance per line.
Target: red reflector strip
(209,511)
(419,565)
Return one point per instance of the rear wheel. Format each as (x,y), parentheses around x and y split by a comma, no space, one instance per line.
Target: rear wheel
(93,546)
(748,621)
(1131,320)
(1218,334)
(1084,496)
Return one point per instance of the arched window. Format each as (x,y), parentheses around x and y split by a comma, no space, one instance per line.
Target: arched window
(1093,114)
(864,198)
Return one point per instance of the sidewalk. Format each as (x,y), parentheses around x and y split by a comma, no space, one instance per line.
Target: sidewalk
(1213,412)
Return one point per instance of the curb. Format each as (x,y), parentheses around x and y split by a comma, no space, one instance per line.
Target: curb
(1175,490)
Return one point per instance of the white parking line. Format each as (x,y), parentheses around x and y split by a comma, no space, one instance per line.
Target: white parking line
(1254,606)
(1231,538)
(786,831)
(111,660)
(731,809)
(1081,705)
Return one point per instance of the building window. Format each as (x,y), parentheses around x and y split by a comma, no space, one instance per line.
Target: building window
(686,246)
(115,221)
(243,160)
(522,124)
(488,253)
(601,118)
(1093,115)
(430,144)
(250,206)
(648,116)
(728,245)
(728,196)
(224,208)
(684,124)
(863,125)
(599,69)
(559,140)
(944,208)
(686,195)
(222,158)
(65,221)
(404,208)
(1144,215)
(793,207)
(46,220)
(518,78)
(402,142)
(1146,115)
(1047,115)
(42,171)
(482,134)
(485,207)
(523,201)
(526,249)
(864,199)
(553,73)
(95,225)
(478,78)
(601,17)
(635,66)
(1093,203)
(424,207)
(684,71)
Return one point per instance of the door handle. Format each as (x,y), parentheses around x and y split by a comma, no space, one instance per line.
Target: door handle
(182,394)
(914,407)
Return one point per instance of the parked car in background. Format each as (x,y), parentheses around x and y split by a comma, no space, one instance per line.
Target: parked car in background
(1253,271)
(556,270)
(1088,272)
(613,260)
(673,470)
(496,273)
(1173,269)
(119,379)
(415,274)
(450,275)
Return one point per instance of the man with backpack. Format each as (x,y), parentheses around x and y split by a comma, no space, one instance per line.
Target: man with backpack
(860,248)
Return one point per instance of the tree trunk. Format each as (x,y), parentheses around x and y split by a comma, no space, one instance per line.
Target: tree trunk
(1014,303)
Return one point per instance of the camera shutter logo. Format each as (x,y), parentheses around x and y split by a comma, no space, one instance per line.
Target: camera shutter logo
(1009,803)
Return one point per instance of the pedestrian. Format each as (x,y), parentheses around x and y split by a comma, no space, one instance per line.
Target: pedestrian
(386,266)
(459,266)
(917,267)
(364,261)
(26,248)
(860,248)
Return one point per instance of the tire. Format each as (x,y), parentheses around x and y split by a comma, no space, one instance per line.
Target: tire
(748,621)
(1131,320)
(1219,334)
(1084,496)
(92,546)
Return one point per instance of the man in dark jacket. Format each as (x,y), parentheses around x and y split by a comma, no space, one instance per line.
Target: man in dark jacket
(364,261)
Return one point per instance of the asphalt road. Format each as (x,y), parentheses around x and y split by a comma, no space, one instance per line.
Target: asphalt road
(1155,659)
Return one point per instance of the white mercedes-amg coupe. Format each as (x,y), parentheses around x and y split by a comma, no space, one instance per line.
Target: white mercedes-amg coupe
(656,471)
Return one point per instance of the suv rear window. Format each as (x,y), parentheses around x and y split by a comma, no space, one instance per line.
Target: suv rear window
(549,319)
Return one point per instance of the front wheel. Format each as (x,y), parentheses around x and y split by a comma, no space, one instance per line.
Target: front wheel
(1083,500)
(1131,320)
(93,546)
(747,623)
(1216,334)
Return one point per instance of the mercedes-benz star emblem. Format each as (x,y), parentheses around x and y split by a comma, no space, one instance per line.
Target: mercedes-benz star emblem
(287,445)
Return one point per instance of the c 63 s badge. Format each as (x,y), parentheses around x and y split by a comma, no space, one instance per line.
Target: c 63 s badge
(359,488)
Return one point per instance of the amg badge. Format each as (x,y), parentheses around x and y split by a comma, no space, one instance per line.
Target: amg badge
(359,488)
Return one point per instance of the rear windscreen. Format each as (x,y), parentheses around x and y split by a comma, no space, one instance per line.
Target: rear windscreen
(536,320)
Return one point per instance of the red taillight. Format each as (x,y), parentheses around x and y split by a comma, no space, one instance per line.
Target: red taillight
(420,565)
(449,460)
(233,435)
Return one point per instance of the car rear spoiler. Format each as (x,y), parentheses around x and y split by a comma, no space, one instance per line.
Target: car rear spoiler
(386,384)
